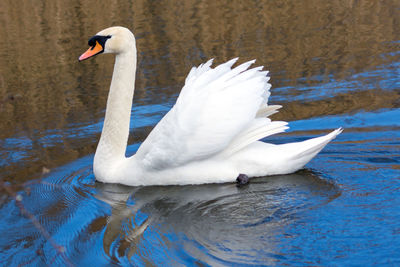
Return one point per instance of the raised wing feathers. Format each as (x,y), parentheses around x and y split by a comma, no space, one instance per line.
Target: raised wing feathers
(215,112)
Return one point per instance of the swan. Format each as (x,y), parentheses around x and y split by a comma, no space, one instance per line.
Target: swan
(210,135)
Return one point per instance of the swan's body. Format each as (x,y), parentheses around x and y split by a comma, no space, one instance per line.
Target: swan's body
(209,136)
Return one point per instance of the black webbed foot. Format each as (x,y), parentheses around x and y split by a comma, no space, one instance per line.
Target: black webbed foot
(242,179)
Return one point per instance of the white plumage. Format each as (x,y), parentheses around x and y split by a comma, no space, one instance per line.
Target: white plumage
(209,136)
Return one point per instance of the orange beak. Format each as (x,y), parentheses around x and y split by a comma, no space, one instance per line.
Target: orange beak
(94,50)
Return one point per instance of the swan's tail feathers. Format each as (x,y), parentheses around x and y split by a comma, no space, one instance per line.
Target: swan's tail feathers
(260,128)
(302,152)
(266,111)
(315,145)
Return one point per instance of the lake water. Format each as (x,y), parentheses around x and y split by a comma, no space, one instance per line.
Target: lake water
(332,64)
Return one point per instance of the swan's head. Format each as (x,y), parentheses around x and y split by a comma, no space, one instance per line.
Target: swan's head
(115,40)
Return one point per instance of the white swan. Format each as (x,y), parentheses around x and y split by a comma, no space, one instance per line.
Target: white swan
(209,136)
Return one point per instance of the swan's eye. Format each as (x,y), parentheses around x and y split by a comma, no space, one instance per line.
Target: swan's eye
(92,41)
(101,39)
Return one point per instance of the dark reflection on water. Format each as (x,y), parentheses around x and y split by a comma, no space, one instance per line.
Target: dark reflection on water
(333,63)
(220,223)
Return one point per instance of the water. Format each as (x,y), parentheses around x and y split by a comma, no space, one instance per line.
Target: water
(332,64)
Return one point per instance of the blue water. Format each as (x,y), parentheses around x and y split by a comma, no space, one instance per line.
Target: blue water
(384,77)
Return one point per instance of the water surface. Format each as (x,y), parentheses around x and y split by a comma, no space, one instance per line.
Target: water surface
(331,63)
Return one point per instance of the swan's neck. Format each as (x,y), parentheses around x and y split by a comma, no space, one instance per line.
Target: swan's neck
(114,137)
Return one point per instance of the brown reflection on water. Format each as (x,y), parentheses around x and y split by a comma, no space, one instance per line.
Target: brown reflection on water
(42,86)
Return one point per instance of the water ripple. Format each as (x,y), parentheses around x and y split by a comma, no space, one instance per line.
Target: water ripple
(213,222)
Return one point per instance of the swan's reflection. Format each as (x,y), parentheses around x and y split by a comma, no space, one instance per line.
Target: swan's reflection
(217,215)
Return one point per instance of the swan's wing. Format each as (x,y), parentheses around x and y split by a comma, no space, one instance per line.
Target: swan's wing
(218,110)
